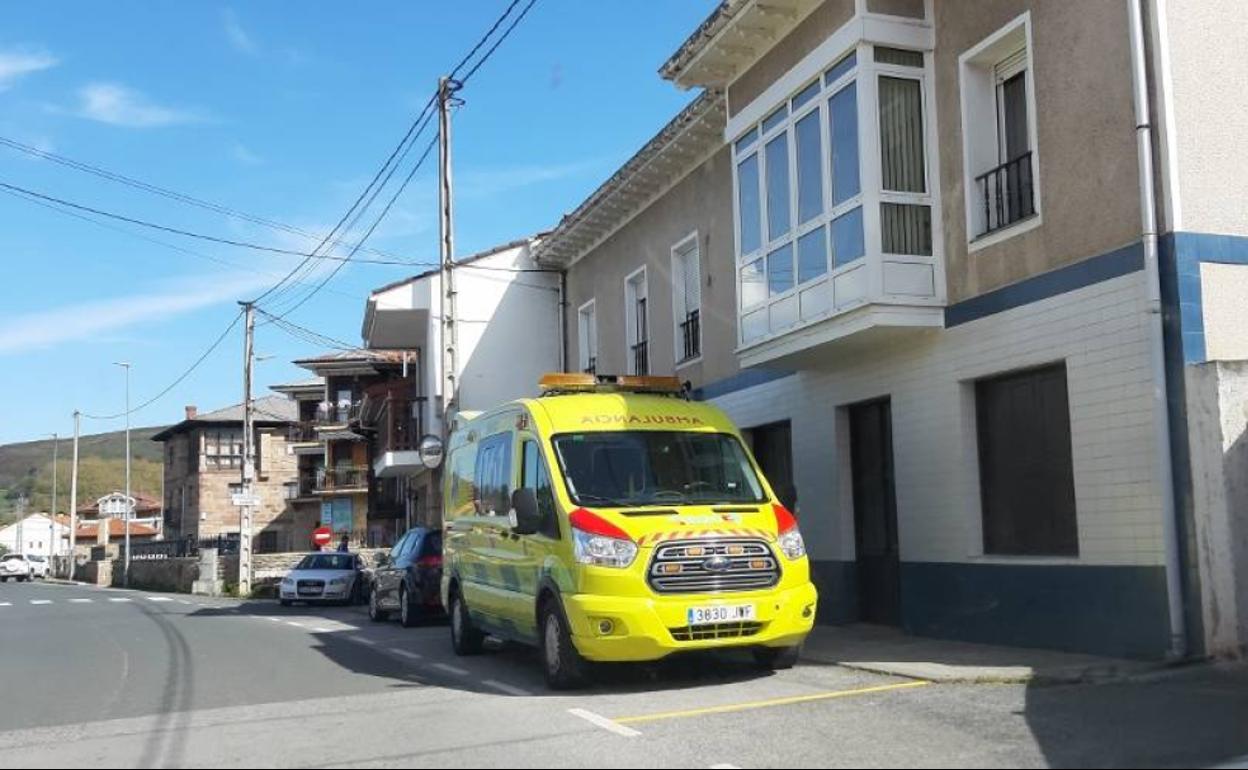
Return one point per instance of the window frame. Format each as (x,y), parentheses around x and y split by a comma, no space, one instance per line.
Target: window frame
(687,248)
(977,71)
(587,344)
(638,277)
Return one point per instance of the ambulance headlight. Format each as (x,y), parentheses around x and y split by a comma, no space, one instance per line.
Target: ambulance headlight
(603,551)
(599,542)
(792,545)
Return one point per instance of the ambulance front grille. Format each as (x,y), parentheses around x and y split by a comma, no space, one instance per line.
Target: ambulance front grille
(736,630)
(713,565)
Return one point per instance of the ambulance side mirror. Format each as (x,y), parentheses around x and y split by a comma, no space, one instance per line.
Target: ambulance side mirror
(524,508)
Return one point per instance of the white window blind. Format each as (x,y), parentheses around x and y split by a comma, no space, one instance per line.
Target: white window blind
(687,299)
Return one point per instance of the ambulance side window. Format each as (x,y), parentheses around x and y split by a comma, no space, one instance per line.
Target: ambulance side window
(493,476)
(534,476)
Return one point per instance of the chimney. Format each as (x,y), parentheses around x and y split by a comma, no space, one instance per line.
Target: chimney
(191,412)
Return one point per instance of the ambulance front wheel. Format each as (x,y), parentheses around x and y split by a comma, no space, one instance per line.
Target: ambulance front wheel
(563,665)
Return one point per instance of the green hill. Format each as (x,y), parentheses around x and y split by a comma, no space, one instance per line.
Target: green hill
(26,469)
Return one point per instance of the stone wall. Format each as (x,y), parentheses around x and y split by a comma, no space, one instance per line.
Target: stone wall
(172,575)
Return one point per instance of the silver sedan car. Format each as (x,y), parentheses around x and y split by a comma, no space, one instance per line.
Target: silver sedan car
(322,577)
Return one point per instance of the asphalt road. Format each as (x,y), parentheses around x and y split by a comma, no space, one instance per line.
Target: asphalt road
(111,678)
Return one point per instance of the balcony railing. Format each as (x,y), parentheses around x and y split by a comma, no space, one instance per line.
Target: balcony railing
(1008,194)
(337,414)
(641,358)
(343,477)
(394,414)
(691,335)
(302,433)
(311,480)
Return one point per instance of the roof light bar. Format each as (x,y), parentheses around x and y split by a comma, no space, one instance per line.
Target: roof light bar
(557,382)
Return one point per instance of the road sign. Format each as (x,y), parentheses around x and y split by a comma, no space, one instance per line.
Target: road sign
(321,536)
(240,500)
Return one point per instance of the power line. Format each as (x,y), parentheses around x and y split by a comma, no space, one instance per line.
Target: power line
(216,343)
(139,184)
(190,233)
(410,137)
(149,239)
(389,204)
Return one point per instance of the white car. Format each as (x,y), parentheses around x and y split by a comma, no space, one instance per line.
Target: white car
(323,577)
(39,567)
(16,566)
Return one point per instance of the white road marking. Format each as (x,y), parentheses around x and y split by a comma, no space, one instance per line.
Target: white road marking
(322,630)
(183,601)
(275,620)
(159,599)
(293,623)
(448,668)
(405,653)
(507,688)
(606,724)
(724,766)
(362,640)
(119,599)
(80,601)
(6,604)
(40,601)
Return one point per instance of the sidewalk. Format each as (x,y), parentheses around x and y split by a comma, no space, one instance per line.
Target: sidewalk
(886,650)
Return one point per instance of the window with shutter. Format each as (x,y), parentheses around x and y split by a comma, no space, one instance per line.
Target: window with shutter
(687,299)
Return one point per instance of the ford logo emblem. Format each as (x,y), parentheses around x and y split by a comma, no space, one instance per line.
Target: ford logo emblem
(717,564)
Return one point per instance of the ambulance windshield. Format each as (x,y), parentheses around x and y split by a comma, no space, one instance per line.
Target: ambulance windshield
(619,469)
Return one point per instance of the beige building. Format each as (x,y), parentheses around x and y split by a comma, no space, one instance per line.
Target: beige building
(203,470)
(921,251)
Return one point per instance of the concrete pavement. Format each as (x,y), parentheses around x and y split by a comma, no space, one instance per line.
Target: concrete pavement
(114,678)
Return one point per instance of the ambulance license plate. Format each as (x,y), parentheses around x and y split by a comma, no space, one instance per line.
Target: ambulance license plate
(720,613)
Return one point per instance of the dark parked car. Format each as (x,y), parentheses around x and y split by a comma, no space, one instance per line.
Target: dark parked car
(408,579)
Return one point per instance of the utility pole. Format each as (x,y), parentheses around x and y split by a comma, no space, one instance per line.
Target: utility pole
(450,332)
(129,509)
(73,499)
(21,522)
(249,462)
(56,441)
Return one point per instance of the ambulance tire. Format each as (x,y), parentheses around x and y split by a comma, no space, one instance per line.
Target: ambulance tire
(466,639)
(562,664)
(776,658)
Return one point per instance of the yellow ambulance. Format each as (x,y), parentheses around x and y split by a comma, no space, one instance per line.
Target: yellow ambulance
(613,519)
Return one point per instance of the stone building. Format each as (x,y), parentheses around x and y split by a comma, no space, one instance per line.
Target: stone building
(203,461)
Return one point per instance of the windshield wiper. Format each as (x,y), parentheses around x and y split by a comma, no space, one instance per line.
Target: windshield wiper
(605,502)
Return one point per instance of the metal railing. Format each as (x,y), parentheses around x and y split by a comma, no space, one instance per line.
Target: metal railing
(343,477)
(691,334)
(641,358)
(1007,193)
(591,365)
(302,433)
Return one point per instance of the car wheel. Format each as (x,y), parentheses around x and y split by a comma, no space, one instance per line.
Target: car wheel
(376,613)
(466,639)
(563,665)
(409,616)
(776,658)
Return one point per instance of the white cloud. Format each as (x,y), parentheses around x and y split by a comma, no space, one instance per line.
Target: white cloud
(90,320)
(120,105)
(245,156)
(484,183)
(16,64)
(238,37)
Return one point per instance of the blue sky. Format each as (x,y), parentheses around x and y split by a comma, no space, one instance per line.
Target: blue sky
(285,112)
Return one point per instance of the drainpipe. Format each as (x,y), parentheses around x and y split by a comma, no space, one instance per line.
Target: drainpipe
(1152,272)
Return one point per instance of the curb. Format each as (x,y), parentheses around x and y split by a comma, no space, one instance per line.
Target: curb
(999,675)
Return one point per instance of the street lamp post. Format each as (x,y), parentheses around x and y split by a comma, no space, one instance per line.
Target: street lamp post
(125,568)
(56,440)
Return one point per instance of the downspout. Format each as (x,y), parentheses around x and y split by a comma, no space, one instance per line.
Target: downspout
(1152,272)
(563,320)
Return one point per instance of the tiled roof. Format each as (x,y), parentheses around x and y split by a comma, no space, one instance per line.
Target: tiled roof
(268,409)
(116,529)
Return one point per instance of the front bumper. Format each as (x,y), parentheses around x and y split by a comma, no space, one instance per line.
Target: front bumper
(330,594)
(643,627)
